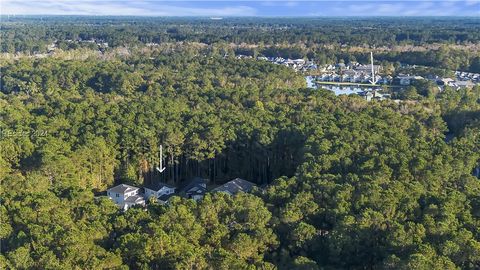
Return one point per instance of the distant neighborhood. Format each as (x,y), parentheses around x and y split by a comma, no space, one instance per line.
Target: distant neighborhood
(357,73)
(354,72)
(296,64)
(366,81)
(126,196)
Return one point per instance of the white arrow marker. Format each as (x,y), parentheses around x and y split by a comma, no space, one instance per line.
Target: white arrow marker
(373,81)
(161,168)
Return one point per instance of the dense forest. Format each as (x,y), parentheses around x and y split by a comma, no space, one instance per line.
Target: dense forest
(325,40)
(342,183)
(22,32)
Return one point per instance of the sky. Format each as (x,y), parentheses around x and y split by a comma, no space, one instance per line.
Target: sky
(275,8)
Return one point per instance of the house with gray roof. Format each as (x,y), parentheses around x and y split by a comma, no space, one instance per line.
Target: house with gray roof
(195,189)
(158,189)
(126,196)
(235,186)
(163,199)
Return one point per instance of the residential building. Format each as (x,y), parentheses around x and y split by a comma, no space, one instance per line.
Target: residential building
(158,189)
(235,186)
(407,80)
(163,199)
(195,189)
(299,62)
(341,66)
(52,47)
(373,95)
(126,196)
(350,72)
(445,81)
(368,68)
(367,95)
(463,84)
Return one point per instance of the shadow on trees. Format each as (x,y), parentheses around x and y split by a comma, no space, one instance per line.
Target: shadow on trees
(244,158)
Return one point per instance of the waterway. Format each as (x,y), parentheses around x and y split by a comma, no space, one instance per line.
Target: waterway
(338,89)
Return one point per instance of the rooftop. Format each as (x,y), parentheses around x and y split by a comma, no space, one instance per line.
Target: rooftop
(235,186)
(165,197)
(195,184)
(134,199)
(156,186)
(122,189)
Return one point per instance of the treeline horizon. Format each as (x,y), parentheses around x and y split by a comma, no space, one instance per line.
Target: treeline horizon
(445,43)
(123,31)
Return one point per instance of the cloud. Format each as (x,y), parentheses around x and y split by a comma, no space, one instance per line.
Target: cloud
(280,3)
(472,2)
(122,7)
(243,7)
(291,4)
(411,8)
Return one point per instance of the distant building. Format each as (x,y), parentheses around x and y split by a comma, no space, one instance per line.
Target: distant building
(373,95)
(350,72)
(163,199)
(407,80)
(463,84)
(352,65)
(300,62)
(445,81)
(367,95)
(386,80)
(330,67)
(52,47)
(235,186)
(195,189)
(367,68)
(341,66)
(126,196)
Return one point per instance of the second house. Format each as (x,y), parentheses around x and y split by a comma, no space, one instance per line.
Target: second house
(161,191)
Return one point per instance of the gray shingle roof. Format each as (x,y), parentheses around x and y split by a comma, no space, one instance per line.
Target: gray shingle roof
(156,186)
(235,186)
(122,189)
(196,190)
(195,184)
(165,197)
(134,199)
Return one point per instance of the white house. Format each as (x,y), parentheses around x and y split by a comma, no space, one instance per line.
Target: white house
(158,190)
(126,196)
